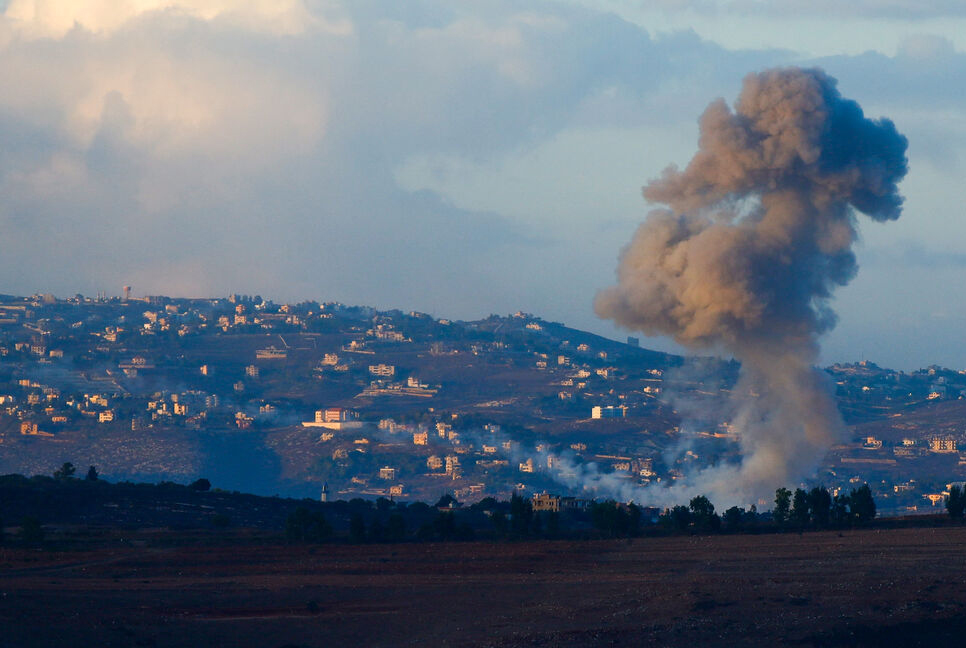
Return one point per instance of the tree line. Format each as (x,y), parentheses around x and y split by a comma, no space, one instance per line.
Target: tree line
(383,520)
(814,509)
(517,520)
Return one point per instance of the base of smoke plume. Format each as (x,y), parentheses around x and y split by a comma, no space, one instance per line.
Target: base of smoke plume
(740,483)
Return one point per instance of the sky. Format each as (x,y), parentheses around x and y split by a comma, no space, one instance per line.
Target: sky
(456,158)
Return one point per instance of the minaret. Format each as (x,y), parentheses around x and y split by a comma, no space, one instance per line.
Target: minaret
(325,492)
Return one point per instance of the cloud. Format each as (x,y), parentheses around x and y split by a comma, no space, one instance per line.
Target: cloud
(196,146)
(288,148)
(55,18)
(894,9)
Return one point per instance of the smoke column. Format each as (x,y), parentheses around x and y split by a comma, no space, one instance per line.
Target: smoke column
(757,232)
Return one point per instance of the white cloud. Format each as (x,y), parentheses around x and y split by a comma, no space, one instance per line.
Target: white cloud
(907,9)
(166,88)
(55,18)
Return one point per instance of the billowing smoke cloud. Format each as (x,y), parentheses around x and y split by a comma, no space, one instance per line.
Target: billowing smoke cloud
(757,233)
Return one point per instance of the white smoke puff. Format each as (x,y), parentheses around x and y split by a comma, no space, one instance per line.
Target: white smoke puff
(758,234)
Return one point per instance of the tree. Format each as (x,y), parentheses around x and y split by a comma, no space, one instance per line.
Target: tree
(553,524)
(750,519)
(734,518)
(66,471)
(956,502)
(839,514)
(396,528)
(521,513)
(612,518)
(377,532)
(702,511)
(444,526)
(677,518)
(820,504)
(92,474)
(200,485)
(634,517)
(499,522)
(357,528)
(303,525)
(862,504)
(800,513)
(783,502)
(485,504)
(447,501)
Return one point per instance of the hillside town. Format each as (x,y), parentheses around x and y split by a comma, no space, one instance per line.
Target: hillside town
(291,398)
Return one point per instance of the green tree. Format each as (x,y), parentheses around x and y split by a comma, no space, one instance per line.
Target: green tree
(485,504)
(303,525)
(612,518)
(537,525)
(377,532)
(862,504)
(956,502)
(800,513)
(783,503)
(383,504)
(447,501)
(634,516)
(703,515)
(553,524)
(820,505)
(499,522)
(92,474)
(66,471)
(444,526)
(677,518)
(750,518)
(521,515)
(839,514)
(396,528)
(734,518)
(357,528)
(200,485)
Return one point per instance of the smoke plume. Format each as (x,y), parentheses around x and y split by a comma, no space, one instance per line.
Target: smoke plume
(757,233)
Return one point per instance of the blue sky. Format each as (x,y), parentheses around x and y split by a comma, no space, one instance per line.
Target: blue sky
(459,158)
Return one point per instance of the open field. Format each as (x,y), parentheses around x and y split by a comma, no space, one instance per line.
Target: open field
(855,588)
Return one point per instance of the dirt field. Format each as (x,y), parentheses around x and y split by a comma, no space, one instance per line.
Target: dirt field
(858,588)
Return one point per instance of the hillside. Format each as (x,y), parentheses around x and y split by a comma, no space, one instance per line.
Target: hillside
(176,389)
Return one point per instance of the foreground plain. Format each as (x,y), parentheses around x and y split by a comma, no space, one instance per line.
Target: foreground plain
(870,587)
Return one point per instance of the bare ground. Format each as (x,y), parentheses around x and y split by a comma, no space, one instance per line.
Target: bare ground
(904,587)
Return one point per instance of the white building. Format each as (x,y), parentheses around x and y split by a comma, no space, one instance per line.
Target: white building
(610,411)
(335,418)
